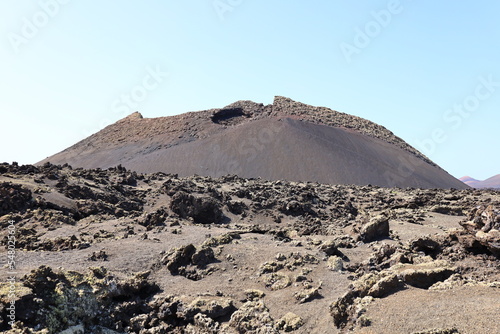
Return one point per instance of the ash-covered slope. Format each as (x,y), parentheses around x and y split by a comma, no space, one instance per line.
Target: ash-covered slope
(287,140)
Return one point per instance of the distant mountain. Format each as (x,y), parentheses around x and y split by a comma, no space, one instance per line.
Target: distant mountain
(469,181)
(492,182)
(286,140)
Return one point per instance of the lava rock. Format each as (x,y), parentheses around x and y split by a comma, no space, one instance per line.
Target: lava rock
(377,228)
(386,286)
(289,322)
(335,263)
(203,210)
(203,257)
(178,257)
(213,308)
(253,316)
(330,248)
(236,207)
(154,219)
(13,197)
(426,245)
(425,278)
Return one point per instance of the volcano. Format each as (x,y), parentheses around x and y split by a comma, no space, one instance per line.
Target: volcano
(286,140)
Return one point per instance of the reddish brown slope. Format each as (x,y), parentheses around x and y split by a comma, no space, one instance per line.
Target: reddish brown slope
(295,150)
(286,140)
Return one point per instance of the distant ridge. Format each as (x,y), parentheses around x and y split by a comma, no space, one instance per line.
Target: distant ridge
(492,182)
(285,140)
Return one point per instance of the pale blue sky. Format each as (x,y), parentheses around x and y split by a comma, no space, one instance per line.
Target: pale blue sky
(419,64)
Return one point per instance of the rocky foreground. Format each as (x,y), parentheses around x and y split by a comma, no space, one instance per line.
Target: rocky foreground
(113,251)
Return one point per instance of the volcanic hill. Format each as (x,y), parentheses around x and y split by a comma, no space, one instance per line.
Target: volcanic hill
(492,182)
(286,140)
